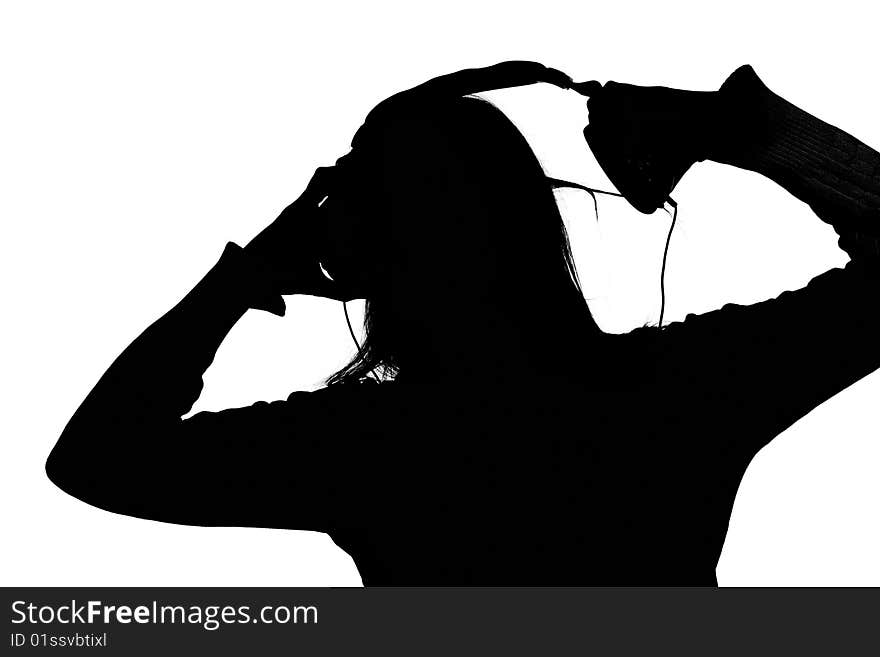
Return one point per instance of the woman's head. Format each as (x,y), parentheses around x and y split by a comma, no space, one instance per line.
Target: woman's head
(443,220)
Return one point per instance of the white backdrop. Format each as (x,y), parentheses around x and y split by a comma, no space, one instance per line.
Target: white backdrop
(136,139)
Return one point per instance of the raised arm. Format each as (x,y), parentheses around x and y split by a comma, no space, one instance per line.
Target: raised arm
(771,363)
(751,371)
(127,450)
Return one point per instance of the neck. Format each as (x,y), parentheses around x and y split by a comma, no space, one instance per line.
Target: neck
(476,345)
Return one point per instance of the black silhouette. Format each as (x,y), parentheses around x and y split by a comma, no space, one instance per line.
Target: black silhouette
(510,441)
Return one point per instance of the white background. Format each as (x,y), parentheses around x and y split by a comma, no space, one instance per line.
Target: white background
(136,139)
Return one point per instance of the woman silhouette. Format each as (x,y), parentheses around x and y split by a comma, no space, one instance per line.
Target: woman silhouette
(508,440)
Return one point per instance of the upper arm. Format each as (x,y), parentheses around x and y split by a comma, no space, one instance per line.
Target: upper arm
(757,369)
(292,464)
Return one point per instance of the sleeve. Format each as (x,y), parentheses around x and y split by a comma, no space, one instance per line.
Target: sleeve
(759,368)
(127,450)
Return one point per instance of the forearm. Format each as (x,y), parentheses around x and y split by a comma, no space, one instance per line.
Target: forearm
(158,377)
(827,168)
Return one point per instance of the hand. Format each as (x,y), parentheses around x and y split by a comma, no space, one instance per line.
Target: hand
(288,250)
(646,138)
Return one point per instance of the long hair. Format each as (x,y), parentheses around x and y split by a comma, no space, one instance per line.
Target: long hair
(542,293)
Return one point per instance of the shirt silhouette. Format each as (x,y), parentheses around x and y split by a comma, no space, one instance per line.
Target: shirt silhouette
(618,470)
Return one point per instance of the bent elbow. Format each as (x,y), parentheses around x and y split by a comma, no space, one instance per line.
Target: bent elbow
(73,474)
(63,473)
